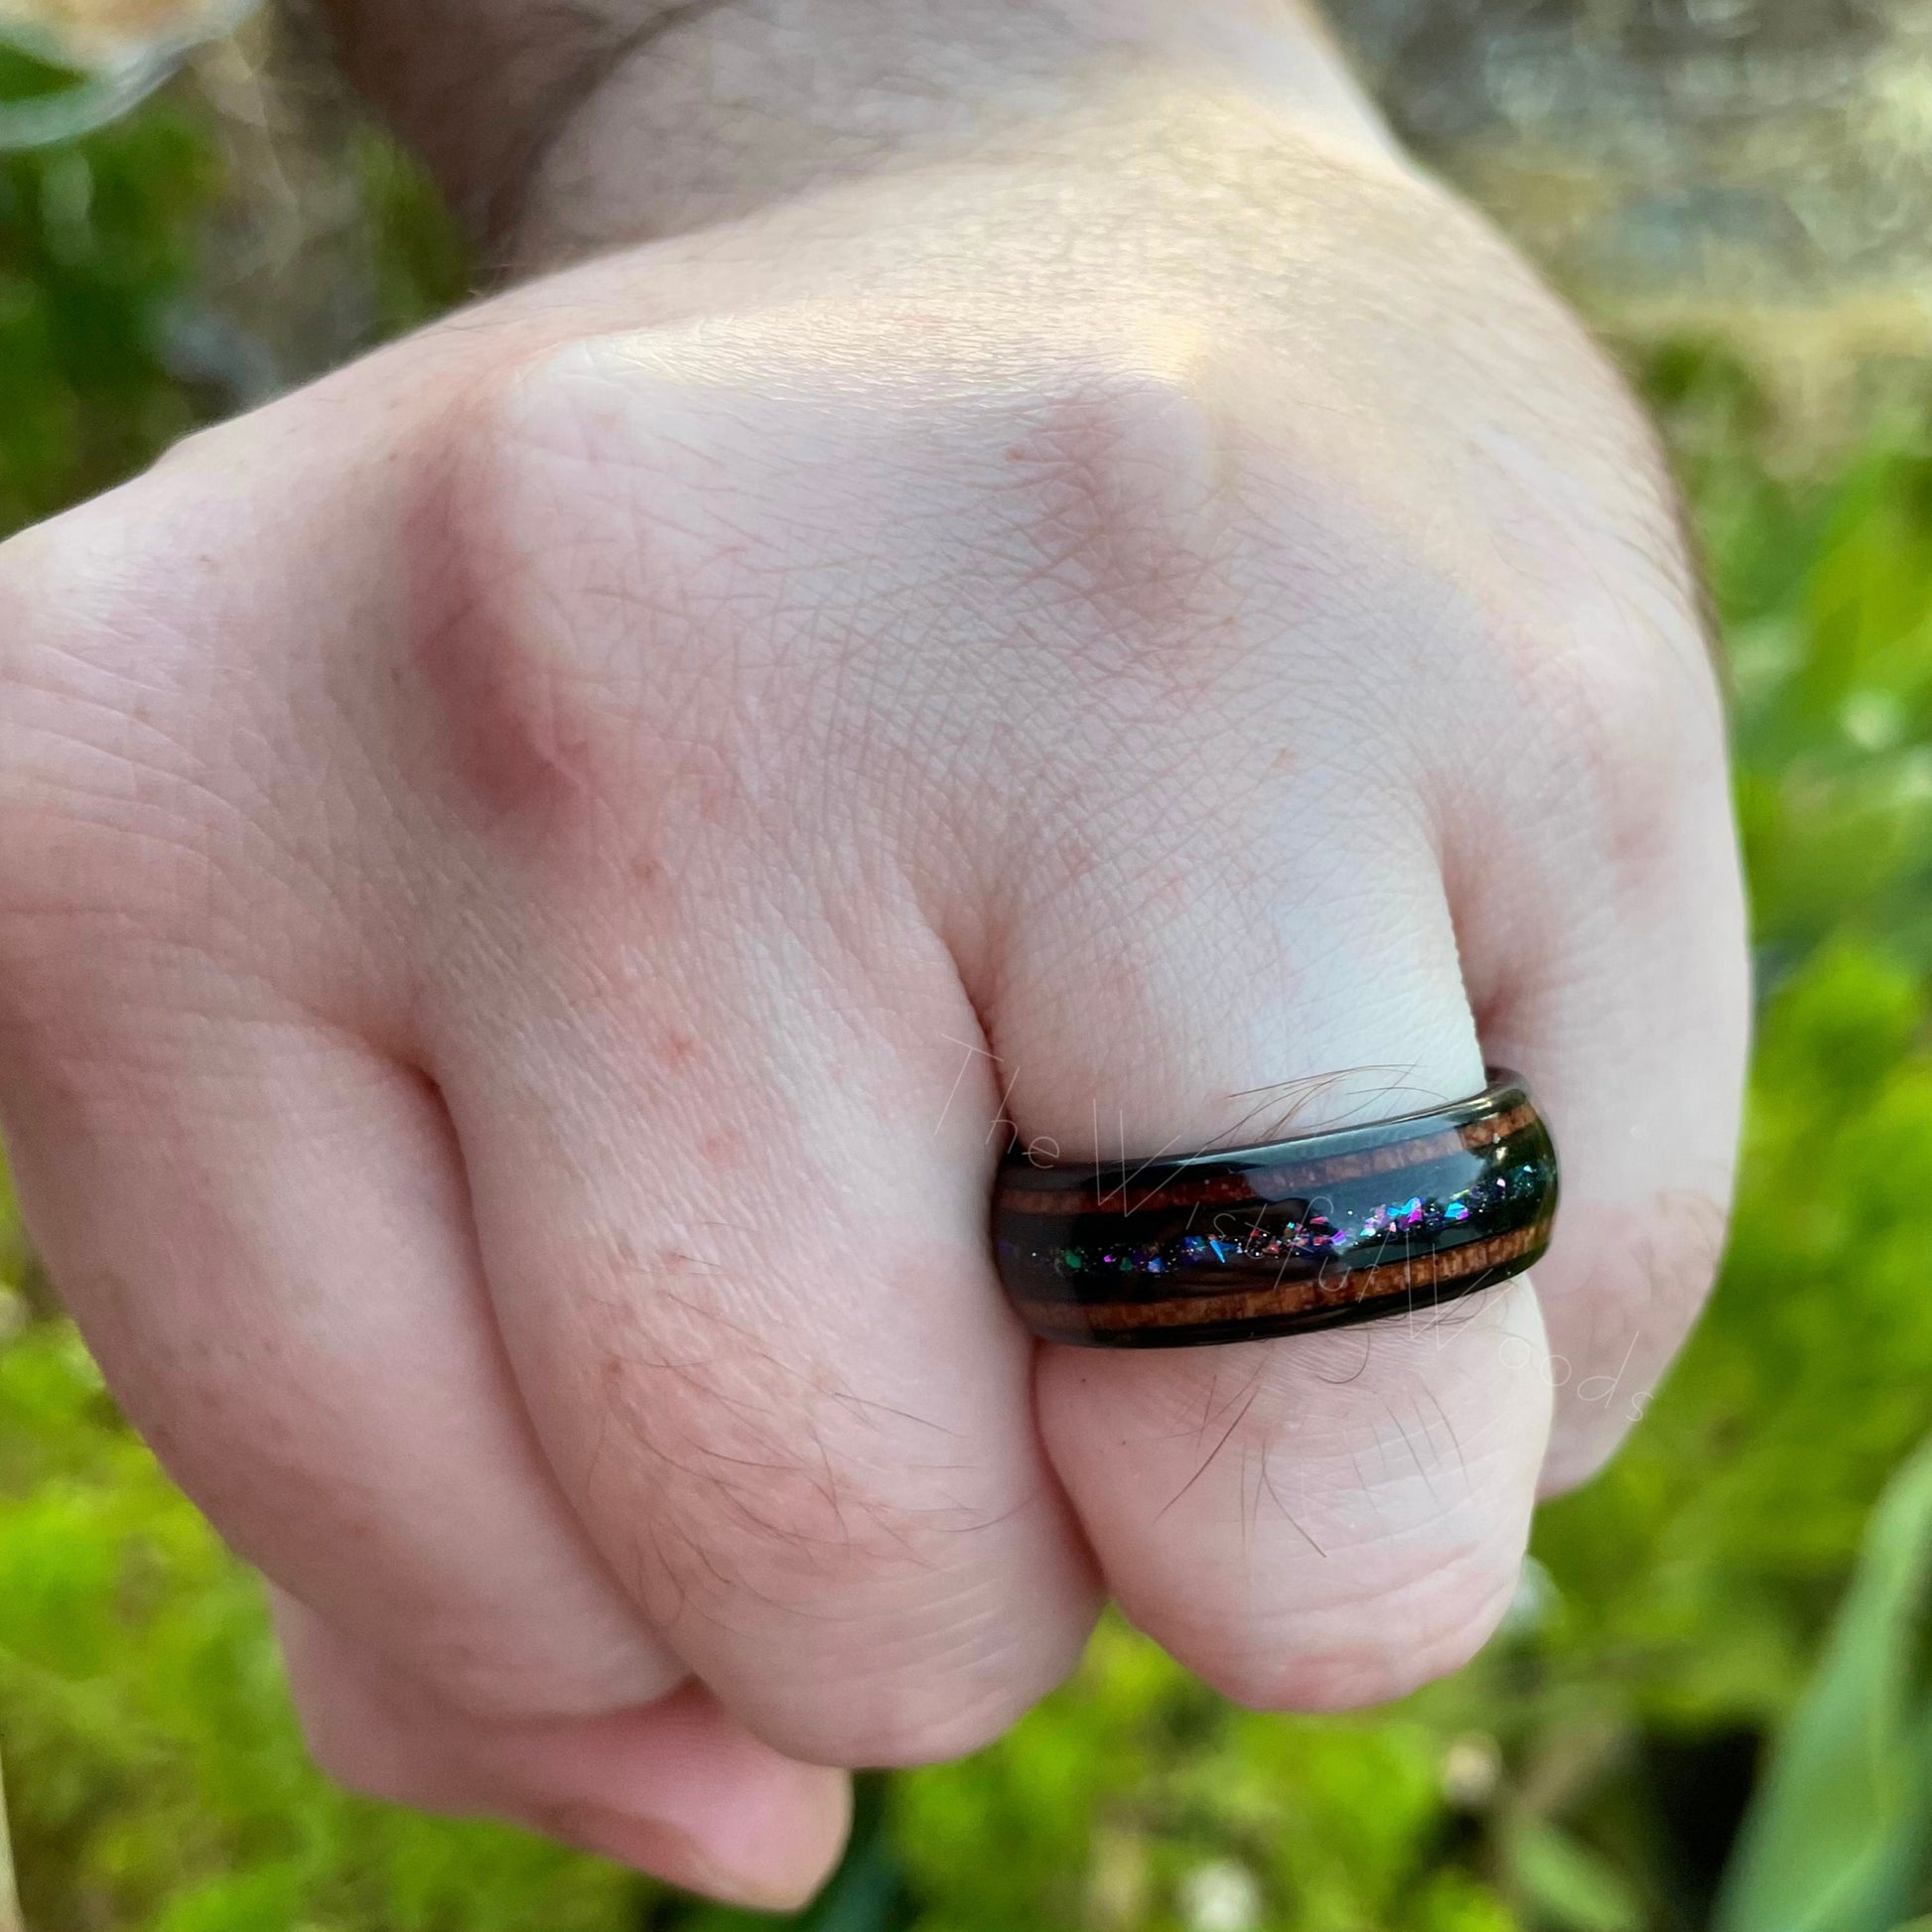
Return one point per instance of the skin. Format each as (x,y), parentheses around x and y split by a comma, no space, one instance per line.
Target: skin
(1015,561)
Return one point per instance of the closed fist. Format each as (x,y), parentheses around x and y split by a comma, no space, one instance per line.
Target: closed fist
(538,875)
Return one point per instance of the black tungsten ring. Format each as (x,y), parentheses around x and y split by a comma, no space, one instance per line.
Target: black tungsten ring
(1351,1224)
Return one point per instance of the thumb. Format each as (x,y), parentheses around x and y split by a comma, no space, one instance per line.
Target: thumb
(677,1788)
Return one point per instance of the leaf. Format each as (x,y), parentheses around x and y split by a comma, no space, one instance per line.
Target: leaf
(1838,1834)
(9,1891)
(1568,1884)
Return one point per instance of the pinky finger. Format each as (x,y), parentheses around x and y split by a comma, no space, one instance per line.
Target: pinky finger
(676,1789)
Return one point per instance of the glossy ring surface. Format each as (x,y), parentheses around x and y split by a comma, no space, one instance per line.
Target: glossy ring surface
(1351,1224)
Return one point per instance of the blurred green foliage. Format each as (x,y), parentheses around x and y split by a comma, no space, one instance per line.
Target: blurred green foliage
(1589,1773)
(1838,1837)
(96,240)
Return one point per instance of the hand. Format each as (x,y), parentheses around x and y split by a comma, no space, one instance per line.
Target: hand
(531,871)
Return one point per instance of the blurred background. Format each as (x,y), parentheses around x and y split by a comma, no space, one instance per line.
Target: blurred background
(1711,1705)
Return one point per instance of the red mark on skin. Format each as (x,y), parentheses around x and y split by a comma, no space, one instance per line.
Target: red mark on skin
(678,1051)
(722,1149)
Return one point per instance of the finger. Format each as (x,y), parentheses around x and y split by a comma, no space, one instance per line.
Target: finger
(734,1215)
(264,1234)
(1612,971)
(1310,1522)
(676,1788)
(701,1053)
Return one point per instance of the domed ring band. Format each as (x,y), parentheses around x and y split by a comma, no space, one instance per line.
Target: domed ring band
(1352,1224)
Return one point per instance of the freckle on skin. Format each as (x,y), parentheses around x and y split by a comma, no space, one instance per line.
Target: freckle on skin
(678,1051)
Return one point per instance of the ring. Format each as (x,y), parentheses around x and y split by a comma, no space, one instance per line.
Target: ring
(1354,1224)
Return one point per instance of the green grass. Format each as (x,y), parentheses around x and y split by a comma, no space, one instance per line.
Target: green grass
(1589,1773)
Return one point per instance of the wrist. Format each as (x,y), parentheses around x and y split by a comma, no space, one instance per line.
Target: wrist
(647,118)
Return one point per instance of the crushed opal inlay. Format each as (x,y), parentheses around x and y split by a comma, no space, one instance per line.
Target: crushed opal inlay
(1215,1247)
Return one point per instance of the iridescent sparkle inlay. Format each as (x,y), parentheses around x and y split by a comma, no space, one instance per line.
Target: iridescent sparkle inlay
(1330,1229)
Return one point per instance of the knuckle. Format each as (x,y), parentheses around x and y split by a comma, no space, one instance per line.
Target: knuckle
(564,588)
(1670,1262)
(1606,634)
(1618,743)
(837,1555)
(1376,1651)
(1378,1556)
(638,539)
(1630,1287)
(897,1719)
(502,681)
(1613,705)
(1112,466)
(1109,503)
(763,1485)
